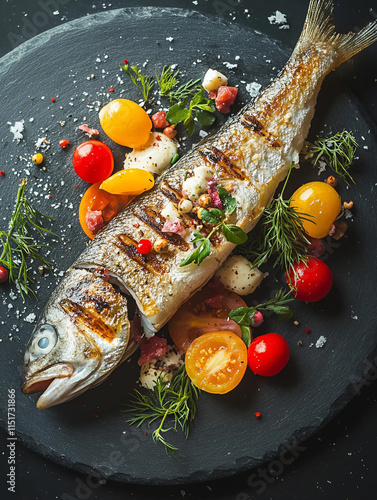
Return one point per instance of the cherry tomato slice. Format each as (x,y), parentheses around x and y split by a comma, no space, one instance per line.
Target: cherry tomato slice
(216,362)
(268,354)
(313,280)
(95,199)
(207,311)
(321,202)
(129,181)
(93,161)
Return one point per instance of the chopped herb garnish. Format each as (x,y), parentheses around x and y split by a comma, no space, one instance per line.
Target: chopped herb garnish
(215,216)
(244,316)
(175,401)
(337,151)
(19,245)
(203,108)
(280,233)
(142,82)
(183,91)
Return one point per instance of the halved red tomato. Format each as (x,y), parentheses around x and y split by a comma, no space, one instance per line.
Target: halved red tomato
(207,311)
(216,362)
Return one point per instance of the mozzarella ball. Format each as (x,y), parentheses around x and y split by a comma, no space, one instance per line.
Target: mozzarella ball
(213,79)
(238,275)
(154,156)
(163,366)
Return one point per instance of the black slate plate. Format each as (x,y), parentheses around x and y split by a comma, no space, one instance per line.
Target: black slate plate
(90,434)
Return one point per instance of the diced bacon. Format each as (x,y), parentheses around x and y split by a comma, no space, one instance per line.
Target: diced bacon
(215,302)
(94,220)
(173,227)
(213,94)
(316,247)
(152,348)
(212,191)
(225,98)
(92,132)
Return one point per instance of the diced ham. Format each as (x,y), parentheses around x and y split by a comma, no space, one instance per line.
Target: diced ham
(173,227)
(94,220)
(316,247)
(159,120)
(225,98)
(213,94)
(152,348)
(92,132)
(212,191)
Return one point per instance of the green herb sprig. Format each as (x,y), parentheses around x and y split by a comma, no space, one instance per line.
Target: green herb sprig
(167,80)
(174,401)
(280,234)
(18,244)
(244,316)
(337,151)
(142,82)
(215,216)
(183,91)
(204,110)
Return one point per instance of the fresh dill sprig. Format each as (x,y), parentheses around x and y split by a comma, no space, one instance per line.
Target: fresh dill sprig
(173,401)
(281,234)
(184,91)
(142,82)
(167,80)
(244,316)
(337,151)
(19,245)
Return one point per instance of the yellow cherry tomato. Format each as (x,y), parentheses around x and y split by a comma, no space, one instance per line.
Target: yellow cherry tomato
(321,202)
(125,122)
(132,181)
(216,361)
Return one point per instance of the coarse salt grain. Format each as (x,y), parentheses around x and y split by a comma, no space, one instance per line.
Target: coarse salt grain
(321,342)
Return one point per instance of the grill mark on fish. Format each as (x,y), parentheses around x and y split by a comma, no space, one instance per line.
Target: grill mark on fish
(221,160)
(151,263)
(253,124)
(84,317)
(172,194)
(151,218)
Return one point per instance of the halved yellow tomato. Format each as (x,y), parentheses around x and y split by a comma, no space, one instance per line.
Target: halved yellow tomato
(131,181)
(216,362)
(207,311)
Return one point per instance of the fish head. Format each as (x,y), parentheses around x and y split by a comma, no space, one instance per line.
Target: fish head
(74,347)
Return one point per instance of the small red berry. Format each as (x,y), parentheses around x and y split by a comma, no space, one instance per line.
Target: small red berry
(52,99)
(3,275)
(111,89)
(257,414)
(126,61)
(144,246)
(64,143)
(2,172)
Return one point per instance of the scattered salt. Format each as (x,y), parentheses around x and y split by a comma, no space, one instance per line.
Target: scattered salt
(321,342)
(230,65)
(17,130)
(253,88)
(279,18)
(30,318)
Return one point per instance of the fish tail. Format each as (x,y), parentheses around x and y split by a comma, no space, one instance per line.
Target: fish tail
(318,29)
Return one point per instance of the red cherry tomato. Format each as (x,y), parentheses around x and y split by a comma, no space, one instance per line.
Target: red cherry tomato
(312,282)
(268,354)
(144,246)
(93,161)
(3,275)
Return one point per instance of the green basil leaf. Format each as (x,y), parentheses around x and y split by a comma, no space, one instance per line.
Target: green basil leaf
(177,113)
(205,117)
(246,335)
(197,98)
(189,125)
(204,251)
(234,234)
(198,237)
(191,258)
(229,203)
(212,215)
(244,316)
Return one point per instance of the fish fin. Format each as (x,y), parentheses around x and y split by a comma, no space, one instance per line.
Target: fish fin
(318,28)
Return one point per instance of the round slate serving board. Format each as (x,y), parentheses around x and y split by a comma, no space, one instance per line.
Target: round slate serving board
(90,433)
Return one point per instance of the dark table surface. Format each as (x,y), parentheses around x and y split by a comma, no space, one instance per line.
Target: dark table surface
(339,462)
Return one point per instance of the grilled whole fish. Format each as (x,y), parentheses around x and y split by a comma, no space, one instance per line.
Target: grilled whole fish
(84,332)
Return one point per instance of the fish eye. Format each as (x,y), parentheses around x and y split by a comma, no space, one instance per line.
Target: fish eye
(45,339)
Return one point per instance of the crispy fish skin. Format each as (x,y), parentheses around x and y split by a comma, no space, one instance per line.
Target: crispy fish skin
(253,151)
(84,331)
